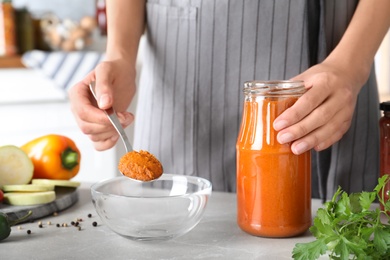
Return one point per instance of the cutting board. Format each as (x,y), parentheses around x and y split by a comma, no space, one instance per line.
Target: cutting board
(65,197)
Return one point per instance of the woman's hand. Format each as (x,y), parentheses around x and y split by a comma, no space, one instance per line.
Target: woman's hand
(115,87)
(324,113)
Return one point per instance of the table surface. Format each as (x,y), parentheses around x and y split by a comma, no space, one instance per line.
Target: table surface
(217,236)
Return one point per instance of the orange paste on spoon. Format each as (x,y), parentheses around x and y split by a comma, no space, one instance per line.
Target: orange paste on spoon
(141,165)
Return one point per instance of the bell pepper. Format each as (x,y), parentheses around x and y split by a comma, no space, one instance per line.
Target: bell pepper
(54,157)
(6,224)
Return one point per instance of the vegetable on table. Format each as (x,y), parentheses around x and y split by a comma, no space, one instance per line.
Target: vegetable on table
(6,224)
(29,198)
(348,228)
(27,188)
(15,166)
(58,183)
(54,157)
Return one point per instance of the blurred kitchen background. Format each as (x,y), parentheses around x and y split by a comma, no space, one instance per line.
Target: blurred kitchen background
(33,104)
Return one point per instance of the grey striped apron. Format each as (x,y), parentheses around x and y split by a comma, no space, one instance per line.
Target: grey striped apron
(198,54)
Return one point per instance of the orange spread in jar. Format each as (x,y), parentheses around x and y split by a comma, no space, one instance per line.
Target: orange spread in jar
(273,184)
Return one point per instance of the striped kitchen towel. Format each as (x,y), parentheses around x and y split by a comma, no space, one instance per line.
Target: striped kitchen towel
(64,68)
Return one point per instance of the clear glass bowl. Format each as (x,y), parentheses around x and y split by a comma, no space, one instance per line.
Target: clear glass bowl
(163,209)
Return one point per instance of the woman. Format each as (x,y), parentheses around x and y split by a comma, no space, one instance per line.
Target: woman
(197,55)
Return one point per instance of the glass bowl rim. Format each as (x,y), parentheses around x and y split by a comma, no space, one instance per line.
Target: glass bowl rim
(207,190)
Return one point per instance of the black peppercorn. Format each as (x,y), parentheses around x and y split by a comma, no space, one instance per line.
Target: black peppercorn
(94,223)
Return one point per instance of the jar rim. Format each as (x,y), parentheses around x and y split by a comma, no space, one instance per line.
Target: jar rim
(275,87)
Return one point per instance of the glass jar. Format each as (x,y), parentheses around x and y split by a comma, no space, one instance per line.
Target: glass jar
(101,16)
(384,128)
(8,44)
(273,184)
(24,29)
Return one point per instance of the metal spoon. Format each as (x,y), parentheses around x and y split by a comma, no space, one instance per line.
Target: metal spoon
(111,114)
(115,122)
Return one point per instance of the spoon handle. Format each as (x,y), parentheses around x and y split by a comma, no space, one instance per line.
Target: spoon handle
(118,127)
(111,114)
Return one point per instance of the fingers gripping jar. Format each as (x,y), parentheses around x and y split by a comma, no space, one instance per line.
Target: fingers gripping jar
(273,184)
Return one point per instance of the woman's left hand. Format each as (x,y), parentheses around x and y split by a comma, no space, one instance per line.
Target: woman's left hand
(324,113)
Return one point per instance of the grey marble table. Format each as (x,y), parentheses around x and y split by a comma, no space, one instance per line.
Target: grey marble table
(217,236)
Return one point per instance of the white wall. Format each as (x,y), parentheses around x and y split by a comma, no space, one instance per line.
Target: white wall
(382,63)
(73,9)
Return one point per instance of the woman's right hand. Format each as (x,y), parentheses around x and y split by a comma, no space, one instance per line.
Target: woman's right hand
(115,87)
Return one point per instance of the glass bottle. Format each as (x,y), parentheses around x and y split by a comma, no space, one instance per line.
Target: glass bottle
(24,30)
(273,184)
(101,16)
(8,44)
(384,128)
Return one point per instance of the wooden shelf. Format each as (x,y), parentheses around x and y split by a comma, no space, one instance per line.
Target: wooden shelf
(11,62)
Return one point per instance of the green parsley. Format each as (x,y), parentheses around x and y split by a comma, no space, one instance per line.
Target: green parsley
(348,227)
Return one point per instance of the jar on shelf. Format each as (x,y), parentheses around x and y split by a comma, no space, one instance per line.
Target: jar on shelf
(273,184)
(101,16)
(24,30)
(384,129)
(8,44)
